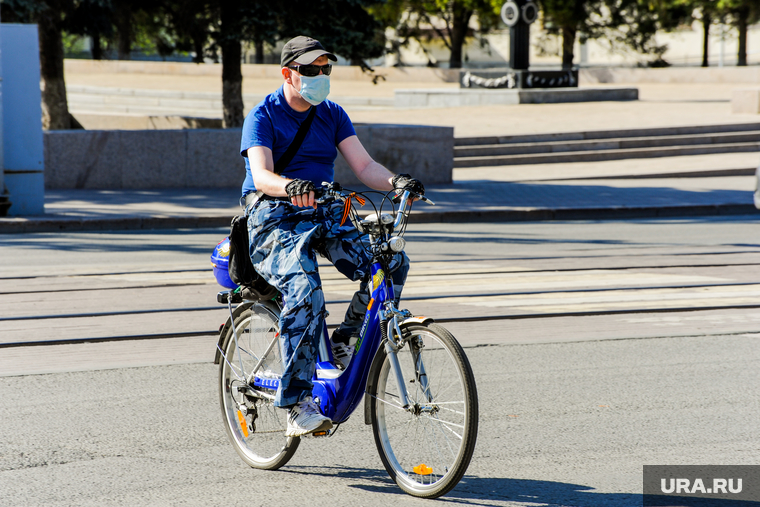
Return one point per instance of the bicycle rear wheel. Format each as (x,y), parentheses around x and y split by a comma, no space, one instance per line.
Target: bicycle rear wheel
(427,449)
(254,425)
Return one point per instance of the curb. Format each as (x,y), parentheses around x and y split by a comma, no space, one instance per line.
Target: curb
(16,226)
(610,213)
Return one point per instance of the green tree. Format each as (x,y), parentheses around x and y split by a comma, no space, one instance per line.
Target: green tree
(567,18)
(142,23)
(628,24)
(741,14)
(262,25)
(634,24)
(191,21)
(345,27)
(229,37)
(92,18)
(451,21)
(235,21)
(50,16)
(707,12)
(704,11)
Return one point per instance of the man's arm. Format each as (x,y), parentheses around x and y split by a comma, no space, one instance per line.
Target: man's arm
(265,180)
(366,169)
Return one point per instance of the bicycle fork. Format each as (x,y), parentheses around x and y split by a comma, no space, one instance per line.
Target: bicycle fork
(391,348)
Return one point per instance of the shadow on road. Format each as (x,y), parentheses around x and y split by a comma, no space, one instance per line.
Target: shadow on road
(478,491)
(474,490)
(579,195)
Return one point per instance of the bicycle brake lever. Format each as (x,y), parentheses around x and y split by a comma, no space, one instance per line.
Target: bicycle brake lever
(423,198)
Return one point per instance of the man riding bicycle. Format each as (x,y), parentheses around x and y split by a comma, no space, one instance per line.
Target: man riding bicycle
(287,228)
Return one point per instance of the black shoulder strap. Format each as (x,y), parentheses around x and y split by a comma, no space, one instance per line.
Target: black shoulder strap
(285,159)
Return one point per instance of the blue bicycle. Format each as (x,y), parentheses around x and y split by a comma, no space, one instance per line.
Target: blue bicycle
(418,387)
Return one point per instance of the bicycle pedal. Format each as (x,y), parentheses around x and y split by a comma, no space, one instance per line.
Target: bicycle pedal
(323,433)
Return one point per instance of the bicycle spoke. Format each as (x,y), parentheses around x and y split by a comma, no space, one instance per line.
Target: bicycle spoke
(232,367)
(255,427)
(394,405)
(442,421)
(444,425)
(437,448)
(450,410)
(447,438)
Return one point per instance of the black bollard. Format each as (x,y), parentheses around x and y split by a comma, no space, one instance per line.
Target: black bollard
(518,15)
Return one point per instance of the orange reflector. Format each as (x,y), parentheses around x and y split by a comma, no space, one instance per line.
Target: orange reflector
(320,433)
(371,302)
(243,425)
(422,469)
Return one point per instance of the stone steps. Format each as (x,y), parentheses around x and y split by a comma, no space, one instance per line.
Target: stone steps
(602,155)
(605,145)
(103,100)
(607,134)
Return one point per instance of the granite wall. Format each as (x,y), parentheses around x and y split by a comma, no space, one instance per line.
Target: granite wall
(201,158)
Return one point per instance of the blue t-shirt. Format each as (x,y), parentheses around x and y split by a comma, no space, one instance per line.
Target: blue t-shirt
(273,124)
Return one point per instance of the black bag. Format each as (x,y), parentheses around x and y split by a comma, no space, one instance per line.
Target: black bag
(240,267)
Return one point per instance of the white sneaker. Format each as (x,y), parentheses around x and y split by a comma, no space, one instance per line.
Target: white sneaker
(342,354)
(305,418)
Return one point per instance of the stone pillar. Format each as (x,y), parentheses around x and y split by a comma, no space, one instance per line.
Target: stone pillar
(4,201)
(745,101)
(22,120)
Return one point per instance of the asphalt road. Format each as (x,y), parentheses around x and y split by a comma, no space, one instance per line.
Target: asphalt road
(598,347)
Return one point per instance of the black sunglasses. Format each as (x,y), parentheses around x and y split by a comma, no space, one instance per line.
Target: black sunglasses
(312,70)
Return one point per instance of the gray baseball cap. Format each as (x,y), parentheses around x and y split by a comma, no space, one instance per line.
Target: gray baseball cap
(303,50)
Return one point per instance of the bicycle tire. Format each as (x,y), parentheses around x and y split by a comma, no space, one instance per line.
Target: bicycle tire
(254,425)
(450,432)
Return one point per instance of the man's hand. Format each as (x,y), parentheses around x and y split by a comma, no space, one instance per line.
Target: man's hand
(403,182)
(301,193)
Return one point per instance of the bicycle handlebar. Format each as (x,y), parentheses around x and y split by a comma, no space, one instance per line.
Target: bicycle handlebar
(335,191)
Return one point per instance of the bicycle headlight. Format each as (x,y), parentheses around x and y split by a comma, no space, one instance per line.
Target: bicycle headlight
(397,244)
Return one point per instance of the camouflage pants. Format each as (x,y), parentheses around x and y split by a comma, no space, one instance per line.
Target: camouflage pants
(284,243)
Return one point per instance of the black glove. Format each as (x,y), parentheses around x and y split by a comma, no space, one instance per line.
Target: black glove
(299,187)
(403,182)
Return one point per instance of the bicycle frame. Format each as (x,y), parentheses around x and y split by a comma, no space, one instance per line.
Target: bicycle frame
(337,392)
(338,396)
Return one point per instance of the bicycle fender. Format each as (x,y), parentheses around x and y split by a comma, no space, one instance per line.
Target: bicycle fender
(416,320)
(374,369)
(221,343)
(223,331)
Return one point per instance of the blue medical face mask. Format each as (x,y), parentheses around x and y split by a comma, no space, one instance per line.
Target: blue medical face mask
(315,90)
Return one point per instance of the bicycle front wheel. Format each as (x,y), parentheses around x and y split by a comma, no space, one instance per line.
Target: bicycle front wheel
(251,365)
(427,447)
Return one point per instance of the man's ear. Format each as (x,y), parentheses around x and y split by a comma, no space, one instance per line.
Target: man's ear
(286,74)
